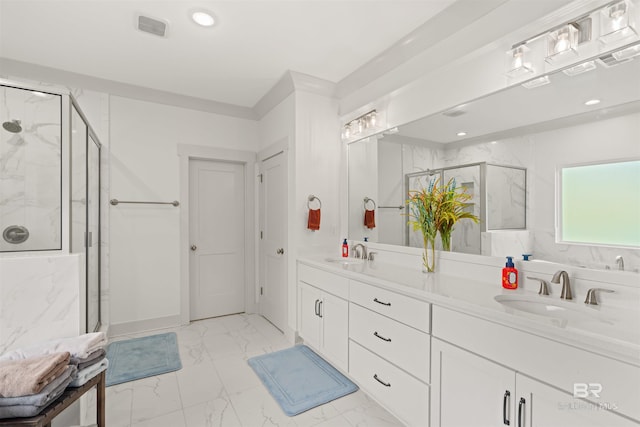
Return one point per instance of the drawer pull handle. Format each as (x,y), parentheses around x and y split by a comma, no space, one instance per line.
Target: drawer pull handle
(388,304)
(520,411)
(507,395)
(320,309)
(375,377)
(381,337)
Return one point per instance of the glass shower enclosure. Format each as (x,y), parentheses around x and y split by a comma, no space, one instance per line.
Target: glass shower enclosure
(50,182)
(498,198)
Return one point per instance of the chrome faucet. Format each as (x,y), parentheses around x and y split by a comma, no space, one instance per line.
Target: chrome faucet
(620,262)
(566,283)
(359,254)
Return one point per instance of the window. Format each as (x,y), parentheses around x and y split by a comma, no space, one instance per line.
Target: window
(600,204)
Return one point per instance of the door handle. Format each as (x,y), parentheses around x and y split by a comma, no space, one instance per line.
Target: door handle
(280,251)
(320,309)
(507,395)
(194,247)
(316,308)
(520,411)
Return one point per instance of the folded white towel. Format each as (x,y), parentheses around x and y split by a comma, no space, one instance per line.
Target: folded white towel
(79,347)
(84,375)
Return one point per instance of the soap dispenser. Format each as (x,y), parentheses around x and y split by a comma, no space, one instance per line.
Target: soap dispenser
(509,275)
(345,249)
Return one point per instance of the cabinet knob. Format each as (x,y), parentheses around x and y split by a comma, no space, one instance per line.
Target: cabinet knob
(280,251)
(194,247)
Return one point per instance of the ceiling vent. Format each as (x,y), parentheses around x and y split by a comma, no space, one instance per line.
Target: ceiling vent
(609,60)
(152,26)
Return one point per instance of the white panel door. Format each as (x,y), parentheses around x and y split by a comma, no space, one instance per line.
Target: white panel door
(273,238)
(217,236)
(468,390)
(539,405)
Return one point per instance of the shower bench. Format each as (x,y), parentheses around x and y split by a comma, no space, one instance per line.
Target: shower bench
(69,396)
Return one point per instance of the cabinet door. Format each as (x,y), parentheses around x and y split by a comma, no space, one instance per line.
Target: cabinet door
(468,390)
(308,306)
(335,330)
(541,405)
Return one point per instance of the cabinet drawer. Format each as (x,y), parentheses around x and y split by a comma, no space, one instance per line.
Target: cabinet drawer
(404,396)
(332,283)
(404,309)
(400,344)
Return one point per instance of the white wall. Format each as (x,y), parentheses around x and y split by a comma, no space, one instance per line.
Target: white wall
(144,239)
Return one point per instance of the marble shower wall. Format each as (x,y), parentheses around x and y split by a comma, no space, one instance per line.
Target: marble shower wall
(30,169)
(40,299)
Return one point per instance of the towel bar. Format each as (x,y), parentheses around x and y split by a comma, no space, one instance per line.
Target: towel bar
(116,202)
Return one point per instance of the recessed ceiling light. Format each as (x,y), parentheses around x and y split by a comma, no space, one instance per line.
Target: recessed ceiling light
(592,102)
(461,134)
(203,18)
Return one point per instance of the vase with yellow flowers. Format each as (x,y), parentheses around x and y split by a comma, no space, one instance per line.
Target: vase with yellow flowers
(436,209)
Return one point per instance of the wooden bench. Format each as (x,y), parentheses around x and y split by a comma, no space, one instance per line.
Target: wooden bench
(70,395)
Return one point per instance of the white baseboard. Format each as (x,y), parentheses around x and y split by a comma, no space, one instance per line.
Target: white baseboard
(137,326)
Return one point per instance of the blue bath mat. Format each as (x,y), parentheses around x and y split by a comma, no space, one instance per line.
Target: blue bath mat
(138,358)
(298,379)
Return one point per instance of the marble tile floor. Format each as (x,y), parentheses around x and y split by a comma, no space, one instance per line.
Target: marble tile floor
(216,386)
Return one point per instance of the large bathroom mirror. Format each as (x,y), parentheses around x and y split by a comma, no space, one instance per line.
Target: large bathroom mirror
(30,142)
(506,150)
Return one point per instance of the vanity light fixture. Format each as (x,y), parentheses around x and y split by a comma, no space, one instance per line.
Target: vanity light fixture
(591,102)
(617,22)
(540,81)
(561,42)
(519,61)
(580,68)
(203,18)
(359,125)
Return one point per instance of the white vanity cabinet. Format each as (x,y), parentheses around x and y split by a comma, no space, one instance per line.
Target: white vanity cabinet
(488,382)
(323,313)
(389,349)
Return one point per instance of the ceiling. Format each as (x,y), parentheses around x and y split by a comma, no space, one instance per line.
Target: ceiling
(235,62)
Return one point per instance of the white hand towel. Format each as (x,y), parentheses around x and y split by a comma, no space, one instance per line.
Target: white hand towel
(84,375)
(79,347)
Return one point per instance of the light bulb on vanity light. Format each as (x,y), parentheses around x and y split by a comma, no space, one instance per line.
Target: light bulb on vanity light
(592,102)
(617,22)
(519,61)
(561,41)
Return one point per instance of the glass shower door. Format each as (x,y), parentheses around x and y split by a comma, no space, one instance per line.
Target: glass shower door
(93,235)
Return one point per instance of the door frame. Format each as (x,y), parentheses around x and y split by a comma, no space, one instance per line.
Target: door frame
(188,152)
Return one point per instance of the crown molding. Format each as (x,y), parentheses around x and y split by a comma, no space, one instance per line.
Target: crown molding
(290,82)
(10,67)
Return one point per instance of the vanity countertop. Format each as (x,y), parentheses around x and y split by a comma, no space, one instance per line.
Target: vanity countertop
(612,332)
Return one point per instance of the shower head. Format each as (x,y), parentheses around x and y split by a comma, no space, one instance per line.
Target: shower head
(12,126)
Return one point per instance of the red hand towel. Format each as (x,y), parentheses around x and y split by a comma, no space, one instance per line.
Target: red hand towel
(314,219)
(370,219)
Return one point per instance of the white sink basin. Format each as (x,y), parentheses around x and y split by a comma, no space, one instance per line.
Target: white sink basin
(544,306)
(345,261)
